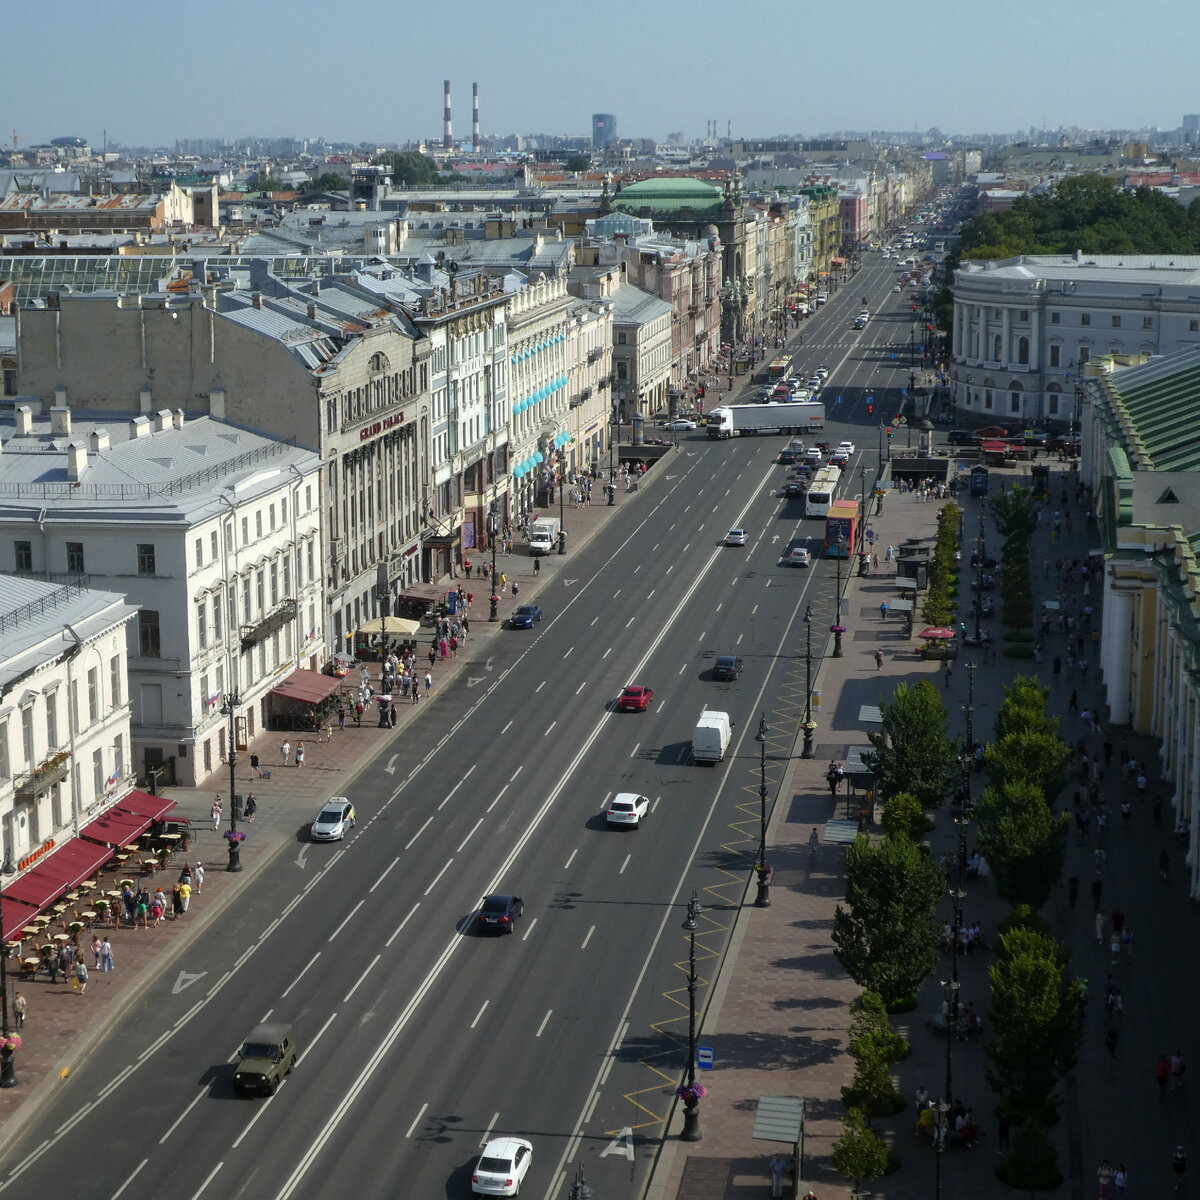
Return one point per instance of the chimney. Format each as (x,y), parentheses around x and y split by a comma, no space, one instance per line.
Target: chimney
(162,420)
(475,117)
(60,418)
(312,311)
(60,396)
(76,461)
(177,418)
(139,427)
(447,135)
(256,299)
(216,403)
(144,399)
(24,416)
(98,440)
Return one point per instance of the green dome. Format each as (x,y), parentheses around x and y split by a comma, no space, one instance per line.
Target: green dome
(666,195)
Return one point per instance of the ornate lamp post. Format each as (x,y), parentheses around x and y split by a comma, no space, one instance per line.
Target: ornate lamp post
(837,629)
(493,528)
(229,707)
(979,553)
(8,1068)
(612,451)
(763,899)
(940,1109)
(807,752)
(691,1105)
(561,458)
(580,1189)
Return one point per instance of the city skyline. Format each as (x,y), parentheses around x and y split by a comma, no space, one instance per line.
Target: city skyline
(267,69)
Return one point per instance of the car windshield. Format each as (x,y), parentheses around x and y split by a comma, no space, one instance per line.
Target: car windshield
(330,816)
(260,1050)
(622,806)
(495,1166)
(495,904)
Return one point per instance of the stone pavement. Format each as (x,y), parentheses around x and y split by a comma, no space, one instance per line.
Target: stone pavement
(777,1018)
(61,1025)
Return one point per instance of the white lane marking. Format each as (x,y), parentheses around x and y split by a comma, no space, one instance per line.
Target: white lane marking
(683,668)
(616,593)
(545,1021)
(607,652)
(517,772)
(687,548)
(588,938)
(497,799)
(633,752)
(594,620)
(630,622)
(249,1125)
(739,639)
(719,607)
(568,651)
(625,864)
(754,610)
(358,982)
(548,728)
(654,803)
(480,1013)
(136,1172)
(417,1119)
(652,591)
(469,836)
(653,548)
(211,1175)
(669,569)
(592,1107)
(301,975)
(529,929)
(402,924)
(637,568)
(487,1133)
(438,876)
(348,919)
(581,687)
(428,822)
(539,687)
(179,1119)
(571,859)
(379,880)
(506,729)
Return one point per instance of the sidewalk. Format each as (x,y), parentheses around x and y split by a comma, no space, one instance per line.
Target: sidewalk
(783,995)
(61,1026)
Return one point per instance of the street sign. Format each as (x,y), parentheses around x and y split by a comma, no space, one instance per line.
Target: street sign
(704,1058)
(895,420)
(838,400)
(902,420)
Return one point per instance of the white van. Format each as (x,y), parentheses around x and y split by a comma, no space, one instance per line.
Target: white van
(711,737)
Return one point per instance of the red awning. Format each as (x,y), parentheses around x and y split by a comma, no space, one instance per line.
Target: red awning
(17,915)
(58,873)
(306,687)
(142,804)
(428,593)
(116,828)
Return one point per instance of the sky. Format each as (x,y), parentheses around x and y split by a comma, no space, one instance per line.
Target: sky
(365,71)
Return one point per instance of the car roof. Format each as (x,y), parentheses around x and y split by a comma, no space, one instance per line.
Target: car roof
(497,898)
(501,1146)
(728,658)
(270,1031)
(627,796)
(335,802)
(635,687)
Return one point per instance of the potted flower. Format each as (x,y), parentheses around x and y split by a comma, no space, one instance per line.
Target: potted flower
(10,1042)
(691,1093)
(235,835)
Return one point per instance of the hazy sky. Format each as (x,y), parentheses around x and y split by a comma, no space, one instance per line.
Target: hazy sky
(359,70)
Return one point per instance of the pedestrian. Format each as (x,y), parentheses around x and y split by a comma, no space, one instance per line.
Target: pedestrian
(946,674)
(1178,1066)
(1101,925)
(813,843)
(81,976)
(341,718)
(185,896)
(1127,943)
(299,754)
(95,951)
(198,877)
(1179,1166)
(1072,891)
(1105,1177)
(251,807)
(392,714)
(1162,1073)
(1073,701)
(428,683)
(215,813)
(19,1010)
(778,1168)
(1120,1180)
(879,660)
(883,610)
(1114,947)
(1110,1044)
(285,751)
(1057,668)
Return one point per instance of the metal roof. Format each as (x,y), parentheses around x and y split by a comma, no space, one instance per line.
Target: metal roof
(1160,404)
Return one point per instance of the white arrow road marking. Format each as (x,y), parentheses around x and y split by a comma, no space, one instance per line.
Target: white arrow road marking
(185,980)
(391,767)
(570,582)
(301,856)
(621,1144)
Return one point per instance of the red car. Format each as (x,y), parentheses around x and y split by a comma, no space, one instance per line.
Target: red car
(635,698)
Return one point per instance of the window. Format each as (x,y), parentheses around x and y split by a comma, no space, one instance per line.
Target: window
(145,553)
(1023,351)
(1084,355)
(5,769)
(622,370)
(119,756)
(1053,404)
(1015,400)
(114,680)
(199,552)
(1055,318)
(260,591)
(310,566)
(283,511)
(1116,322)
(23,553)
(52,720)
(1085,318)
(287,574)
(27,744)
(258,524)
(1024,315)
(274,584)
(1055,354)
(997,348)
(1147,322)
(149,645)
(75,558)
(271,516)
(212,544)
(1194,325)
(98,772)
(218,606)
(245,531)
(246,608)
(621,339)
(93,680)
(202,624)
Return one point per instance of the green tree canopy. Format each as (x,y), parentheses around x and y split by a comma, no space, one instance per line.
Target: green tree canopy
(1036,1024)
(859,1154)
(578,162)
(1025,708)
(1041,759)
(328,182)
(887,936)
(903,816)
(408,168)
(912,752)
(1023,841)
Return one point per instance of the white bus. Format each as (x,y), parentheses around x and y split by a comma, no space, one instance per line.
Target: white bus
(820,492)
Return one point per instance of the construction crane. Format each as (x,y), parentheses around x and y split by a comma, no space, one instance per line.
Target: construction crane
(15,136)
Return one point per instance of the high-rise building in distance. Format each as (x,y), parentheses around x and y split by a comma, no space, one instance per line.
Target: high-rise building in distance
(604,130)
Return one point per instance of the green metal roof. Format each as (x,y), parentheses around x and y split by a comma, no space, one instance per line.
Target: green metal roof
(669,195)
(1161,405)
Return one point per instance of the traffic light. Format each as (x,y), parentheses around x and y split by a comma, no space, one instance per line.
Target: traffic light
(700,393)
(870,406)
(891,433)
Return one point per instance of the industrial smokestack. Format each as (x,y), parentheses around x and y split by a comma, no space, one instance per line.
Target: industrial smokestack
(447,132)
(475,117)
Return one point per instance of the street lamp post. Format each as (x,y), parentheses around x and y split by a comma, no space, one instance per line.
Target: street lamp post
(612,451)
(807,752)
(837,630)
(493,528)
(8,1066)
(691,1108)
(940,1109)
(979,553)
(763,899)
(562,484)
(228,709)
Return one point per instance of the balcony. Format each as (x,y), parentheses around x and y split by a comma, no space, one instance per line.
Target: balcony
(54,770)
(253,634)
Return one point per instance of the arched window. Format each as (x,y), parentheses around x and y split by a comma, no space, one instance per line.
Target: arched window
(997,345)
(1023,351)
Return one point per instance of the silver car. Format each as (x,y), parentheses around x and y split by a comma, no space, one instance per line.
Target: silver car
(334,821)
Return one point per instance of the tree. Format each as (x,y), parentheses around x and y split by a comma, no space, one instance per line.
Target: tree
(912,752)
(578,162)
(887,936)
(903,816)
(1037,1024)
(859,1154)
(328,182)
(1032,1163)
(264,181)
(1025,708)
(1023,841)
(1038,758)
(408,168)
(872,1089)
(869,1023)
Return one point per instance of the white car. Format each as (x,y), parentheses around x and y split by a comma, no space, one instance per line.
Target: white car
(823,372)
(821,297)
(502,1166)
(627,810)
(896,288)
(735,537)
(682,423)
(798,556)
(846,448)
(334,821)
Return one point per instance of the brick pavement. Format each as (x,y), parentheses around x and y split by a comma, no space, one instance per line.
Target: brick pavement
(778,1015)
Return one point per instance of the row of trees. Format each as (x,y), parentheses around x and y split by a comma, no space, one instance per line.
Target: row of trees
(1013,515)
(941,593)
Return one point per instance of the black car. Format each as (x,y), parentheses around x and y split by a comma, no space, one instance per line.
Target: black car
(787,456)
(727,667)
(960,437)
(498,914)
(794,489)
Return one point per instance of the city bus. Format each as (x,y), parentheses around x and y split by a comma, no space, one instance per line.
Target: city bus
(819,498)
(779,368)
(841,529)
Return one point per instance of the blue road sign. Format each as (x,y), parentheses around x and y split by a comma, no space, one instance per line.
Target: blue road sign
(704,1058)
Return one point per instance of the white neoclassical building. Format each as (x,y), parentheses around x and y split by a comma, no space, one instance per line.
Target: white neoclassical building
(1025,328)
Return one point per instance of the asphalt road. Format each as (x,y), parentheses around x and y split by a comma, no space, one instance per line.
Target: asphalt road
(418,1039)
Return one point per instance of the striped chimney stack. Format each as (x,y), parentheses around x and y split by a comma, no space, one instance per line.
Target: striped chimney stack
(447,132)
(475,117)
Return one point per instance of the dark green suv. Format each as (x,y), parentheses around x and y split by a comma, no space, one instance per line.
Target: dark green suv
(267,1055)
